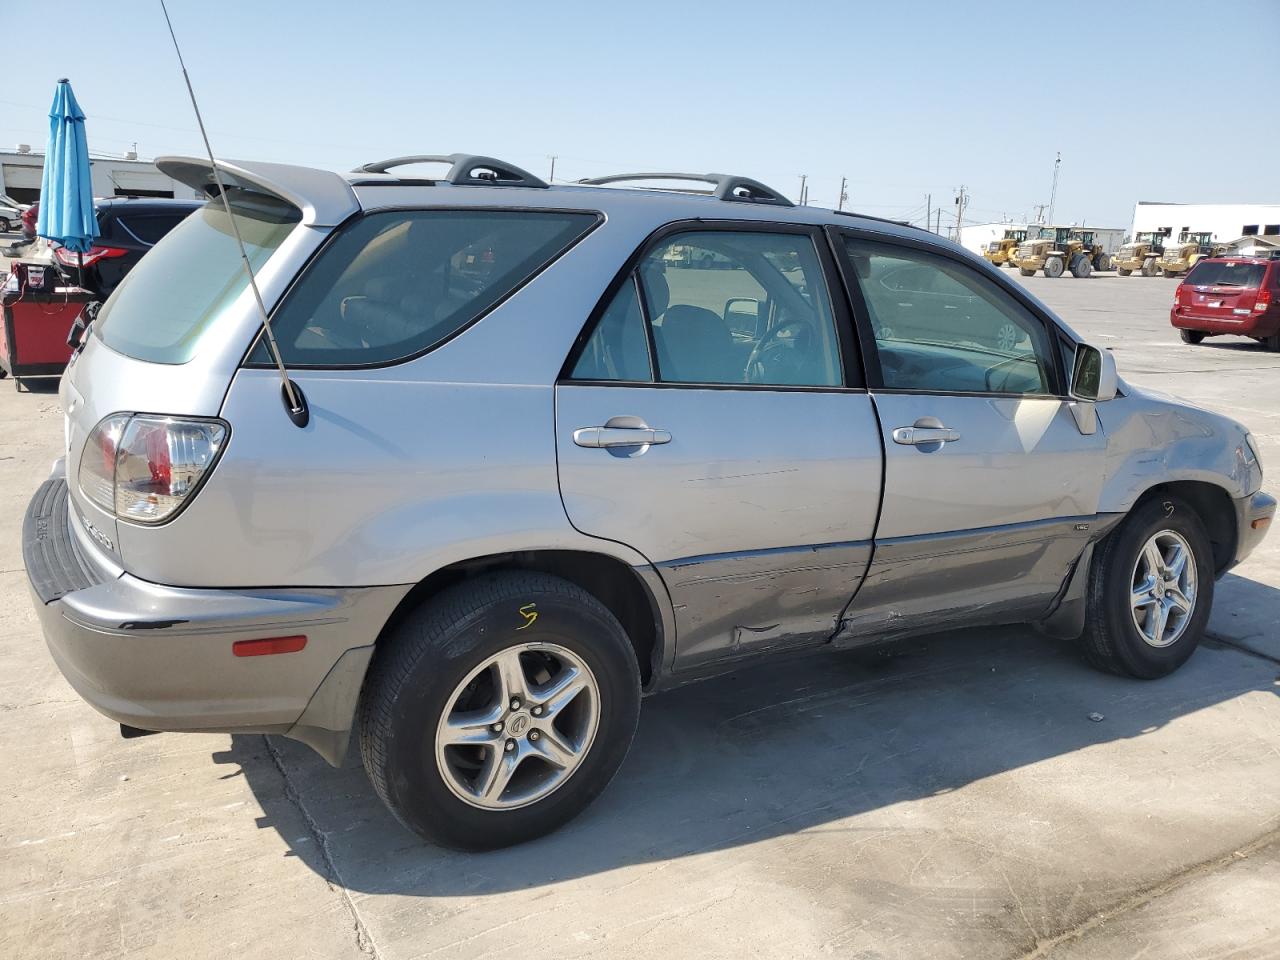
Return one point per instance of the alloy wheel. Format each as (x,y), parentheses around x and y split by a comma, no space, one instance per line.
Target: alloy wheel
(1163,595)
(518,727)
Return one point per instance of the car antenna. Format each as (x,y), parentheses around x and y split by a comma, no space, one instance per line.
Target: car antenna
(294,401)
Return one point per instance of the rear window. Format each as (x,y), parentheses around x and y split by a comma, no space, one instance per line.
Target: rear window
(150,227)
(393,285)
(1210,274)
(176,293)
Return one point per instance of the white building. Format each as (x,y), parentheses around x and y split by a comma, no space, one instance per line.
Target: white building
(21,171)
(1226,221)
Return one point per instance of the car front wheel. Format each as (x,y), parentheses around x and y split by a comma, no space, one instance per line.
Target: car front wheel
(499,710)
(1150,590)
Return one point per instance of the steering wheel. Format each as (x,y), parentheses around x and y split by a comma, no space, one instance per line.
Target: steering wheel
(773,355)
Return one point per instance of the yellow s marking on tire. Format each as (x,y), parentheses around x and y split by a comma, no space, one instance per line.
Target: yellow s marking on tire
(530,613)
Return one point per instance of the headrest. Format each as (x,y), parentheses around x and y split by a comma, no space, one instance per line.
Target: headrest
(657,294)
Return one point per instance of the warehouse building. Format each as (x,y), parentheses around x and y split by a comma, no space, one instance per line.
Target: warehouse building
(1226,221)
(21,171)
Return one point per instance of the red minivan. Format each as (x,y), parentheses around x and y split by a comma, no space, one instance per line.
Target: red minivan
(1236,295)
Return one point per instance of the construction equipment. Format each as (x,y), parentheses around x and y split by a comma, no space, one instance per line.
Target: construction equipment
(1141,255)
(1098,256)
(1000,252)
(1190,249)
(1055,250)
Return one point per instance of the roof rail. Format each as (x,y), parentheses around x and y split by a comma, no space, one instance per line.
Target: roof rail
(465,169)
(725,186)
(867,216)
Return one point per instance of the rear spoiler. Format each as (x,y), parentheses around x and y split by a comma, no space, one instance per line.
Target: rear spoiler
(325,198)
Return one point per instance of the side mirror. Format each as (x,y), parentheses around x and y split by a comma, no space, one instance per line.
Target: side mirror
(742,315)
(1093,374)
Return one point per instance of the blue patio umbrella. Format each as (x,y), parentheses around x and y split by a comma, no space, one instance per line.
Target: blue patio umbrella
(66,194)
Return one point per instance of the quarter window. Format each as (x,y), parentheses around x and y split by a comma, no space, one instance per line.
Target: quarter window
(941,327)
(395,284)
(729,307)
(617,349)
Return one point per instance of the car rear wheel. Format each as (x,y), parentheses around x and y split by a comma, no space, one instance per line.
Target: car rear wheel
(499,710)
(1123,272)
(5,225)
(1053,267)
(1191,336)
(1150,590)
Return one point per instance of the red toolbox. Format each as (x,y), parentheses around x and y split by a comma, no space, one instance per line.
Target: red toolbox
(37,320)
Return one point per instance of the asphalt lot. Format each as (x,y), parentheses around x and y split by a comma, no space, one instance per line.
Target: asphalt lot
(950,798)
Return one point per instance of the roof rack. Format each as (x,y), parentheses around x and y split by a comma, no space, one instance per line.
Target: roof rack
(867,216)
(465,169)
(725,186)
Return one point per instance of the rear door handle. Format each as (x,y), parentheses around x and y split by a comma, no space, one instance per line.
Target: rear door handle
(619,436)
(915,436)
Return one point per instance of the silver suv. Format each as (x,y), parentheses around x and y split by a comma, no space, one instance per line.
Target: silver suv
(544,449)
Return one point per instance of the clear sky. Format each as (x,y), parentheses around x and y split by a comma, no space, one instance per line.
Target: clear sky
(1145,100)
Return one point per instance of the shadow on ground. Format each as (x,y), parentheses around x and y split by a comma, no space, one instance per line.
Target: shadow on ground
(771,750)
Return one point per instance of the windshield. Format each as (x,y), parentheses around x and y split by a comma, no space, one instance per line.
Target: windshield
(1219,273)
(176,293)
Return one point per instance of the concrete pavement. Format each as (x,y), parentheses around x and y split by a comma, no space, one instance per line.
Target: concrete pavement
(945,798)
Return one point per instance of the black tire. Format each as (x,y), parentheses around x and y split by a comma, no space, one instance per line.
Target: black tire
(1053,267)
(1025,272)
(1102,263)
(1123,272)
(1111,641)
(5,225)
(1149,268)
(417,669)
(1191,336)
(1081,267)
(1272,342)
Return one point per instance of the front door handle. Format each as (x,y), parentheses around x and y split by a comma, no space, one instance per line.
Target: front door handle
(608,436)
(916,436)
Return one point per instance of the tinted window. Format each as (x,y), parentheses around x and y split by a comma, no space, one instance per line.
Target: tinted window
(147,229)
(394,284)
(730,308)
(165,304)
(618,348)
(1216,274)
(941,326)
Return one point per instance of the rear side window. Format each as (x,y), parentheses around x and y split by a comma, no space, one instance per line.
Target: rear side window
(1209,273)
(393,285)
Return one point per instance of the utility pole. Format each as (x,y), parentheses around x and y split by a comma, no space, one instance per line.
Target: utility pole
(961,200)
(843,195)
(804,191)
(552,177)
(928,210)
(938,227)
(1053,194)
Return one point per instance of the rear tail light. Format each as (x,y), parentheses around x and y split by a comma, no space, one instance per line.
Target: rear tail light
(1262,301)
(144,468)
(95,253)
(1177,296)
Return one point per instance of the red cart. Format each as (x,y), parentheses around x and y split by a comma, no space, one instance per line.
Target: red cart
(33,336)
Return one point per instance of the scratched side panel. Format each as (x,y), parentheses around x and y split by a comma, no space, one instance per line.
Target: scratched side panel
(1002,574)
(737,604)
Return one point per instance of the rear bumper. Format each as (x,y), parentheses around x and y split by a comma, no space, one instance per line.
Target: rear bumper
(1258,509)
(1253,325)
(160,658)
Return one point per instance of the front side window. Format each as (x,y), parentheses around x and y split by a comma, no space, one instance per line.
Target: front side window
(395,284)
(940,326)
(730,307)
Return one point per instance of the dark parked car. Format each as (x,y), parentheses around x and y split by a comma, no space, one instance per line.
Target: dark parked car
(128,227)
(1232,295)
